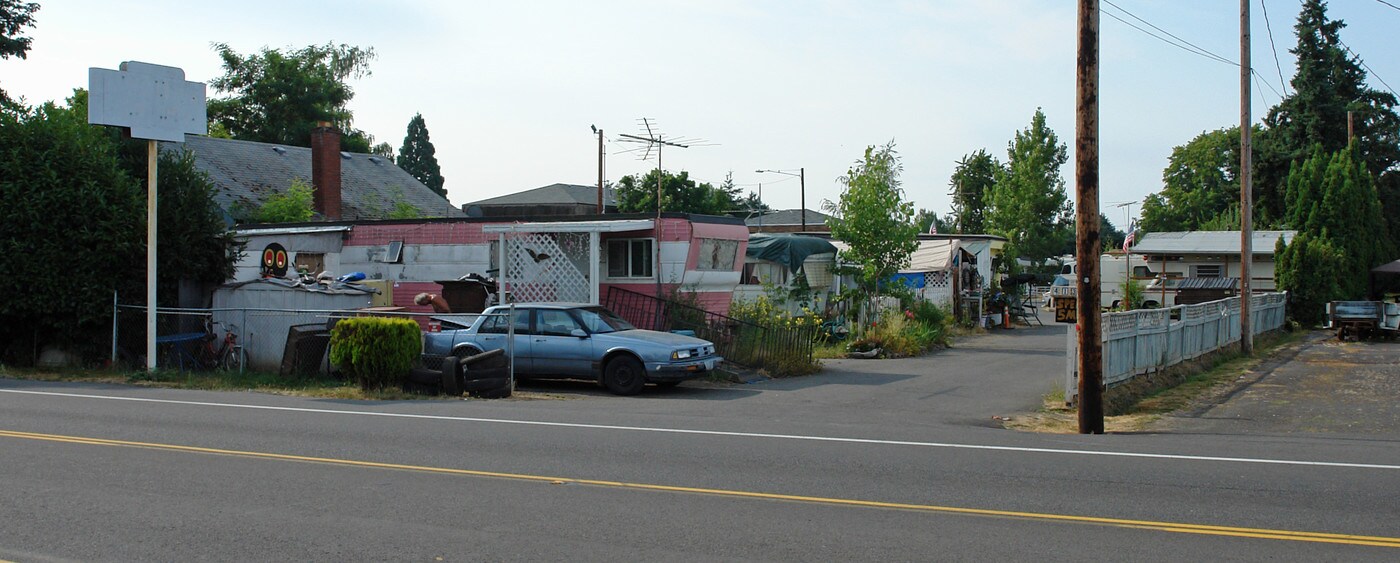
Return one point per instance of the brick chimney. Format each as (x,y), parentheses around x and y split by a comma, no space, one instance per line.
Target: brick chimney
(325,170)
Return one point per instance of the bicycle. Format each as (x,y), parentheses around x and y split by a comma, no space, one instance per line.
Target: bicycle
(229,355)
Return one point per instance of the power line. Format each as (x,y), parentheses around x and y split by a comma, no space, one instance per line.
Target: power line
(1389,4)
(1265,83)
(1272,47)
(1368,68)
(1183,44)
(1257,84)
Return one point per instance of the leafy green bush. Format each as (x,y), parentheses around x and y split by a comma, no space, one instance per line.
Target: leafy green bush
(900,334)
(1133,295)
(293,206)
(377,352)
(929,314)
(768,349)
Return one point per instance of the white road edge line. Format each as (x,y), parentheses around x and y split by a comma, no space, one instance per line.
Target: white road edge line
(723,433)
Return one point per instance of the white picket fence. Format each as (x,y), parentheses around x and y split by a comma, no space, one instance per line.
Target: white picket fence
(1141,342)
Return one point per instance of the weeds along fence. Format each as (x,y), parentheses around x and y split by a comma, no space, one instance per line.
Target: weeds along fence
(286,341)
(739,341)
(1140,342)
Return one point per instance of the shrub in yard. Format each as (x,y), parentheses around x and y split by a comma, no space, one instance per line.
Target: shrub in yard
(928,314)
(376,352)
(901,334)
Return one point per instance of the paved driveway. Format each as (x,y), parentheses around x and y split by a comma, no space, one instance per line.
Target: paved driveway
(1000,373)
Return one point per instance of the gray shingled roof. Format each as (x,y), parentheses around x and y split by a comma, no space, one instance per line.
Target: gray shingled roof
(245,173)
(553,194)
(788,217)
(1208,242)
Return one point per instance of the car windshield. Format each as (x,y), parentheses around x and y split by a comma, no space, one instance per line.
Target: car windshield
(600,320)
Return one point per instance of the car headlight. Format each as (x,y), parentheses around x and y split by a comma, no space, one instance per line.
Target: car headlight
(680,355)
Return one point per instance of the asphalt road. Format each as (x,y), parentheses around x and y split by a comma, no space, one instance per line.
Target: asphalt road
(894,461)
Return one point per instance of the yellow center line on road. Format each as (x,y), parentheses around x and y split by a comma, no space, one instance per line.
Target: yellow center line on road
(1203,529)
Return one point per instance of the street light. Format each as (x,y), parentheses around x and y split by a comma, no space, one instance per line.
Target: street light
(801,175)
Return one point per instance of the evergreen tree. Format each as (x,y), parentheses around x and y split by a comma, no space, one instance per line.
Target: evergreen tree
(1329,82)
(1332,197)
(972,179)
(419,158)
(1028,204)
(1308,269)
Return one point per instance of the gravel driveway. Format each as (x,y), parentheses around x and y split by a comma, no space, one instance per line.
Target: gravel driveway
(1320,385)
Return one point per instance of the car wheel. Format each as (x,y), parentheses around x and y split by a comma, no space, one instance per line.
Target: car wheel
(624,375)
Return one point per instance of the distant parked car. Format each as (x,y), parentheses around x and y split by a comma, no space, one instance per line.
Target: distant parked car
(580,341)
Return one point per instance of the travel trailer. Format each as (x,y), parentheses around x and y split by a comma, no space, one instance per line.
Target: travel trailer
(1114,267)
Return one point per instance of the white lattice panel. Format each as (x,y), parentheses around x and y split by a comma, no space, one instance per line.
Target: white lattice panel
(548,267)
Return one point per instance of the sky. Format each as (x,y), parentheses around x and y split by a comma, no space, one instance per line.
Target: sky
(509,90)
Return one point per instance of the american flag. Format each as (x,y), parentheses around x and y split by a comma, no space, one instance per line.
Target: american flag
(1132,234)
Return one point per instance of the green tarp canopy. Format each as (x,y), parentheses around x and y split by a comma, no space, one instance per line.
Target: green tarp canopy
(788,250)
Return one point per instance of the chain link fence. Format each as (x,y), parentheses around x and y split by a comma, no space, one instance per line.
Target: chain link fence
(292,343)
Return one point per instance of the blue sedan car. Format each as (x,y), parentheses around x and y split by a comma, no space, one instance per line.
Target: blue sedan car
(580,341)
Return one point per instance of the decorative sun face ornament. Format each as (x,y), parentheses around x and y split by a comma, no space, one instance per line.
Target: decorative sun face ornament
(274,261)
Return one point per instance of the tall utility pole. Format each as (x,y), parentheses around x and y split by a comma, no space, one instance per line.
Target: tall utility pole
(802,181)
(1087,245)
(601,209)
(1246,189)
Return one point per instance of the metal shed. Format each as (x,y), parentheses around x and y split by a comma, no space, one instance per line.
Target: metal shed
(263,313)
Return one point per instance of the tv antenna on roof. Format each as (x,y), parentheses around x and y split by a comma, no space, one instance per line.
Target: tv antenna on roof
(654,139)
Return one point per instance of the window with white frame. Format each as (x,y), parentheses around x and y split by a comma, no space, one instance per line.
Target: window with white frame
(717,254)
(630,258)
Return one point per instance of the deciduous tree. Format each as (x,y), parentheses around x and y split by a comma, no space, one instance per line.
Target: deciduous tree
(1028,204)
(873,218)
(927,220)
(278,97)
(1201,181)
(14,17)
(972,180)
(73,230)
(679,193)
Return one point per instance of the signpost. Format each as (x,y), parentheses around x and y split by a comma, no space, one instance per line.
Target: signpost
(155,103)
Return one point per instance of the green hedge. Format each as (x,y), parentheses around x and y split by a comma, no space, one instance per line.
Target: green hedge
(377,352)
